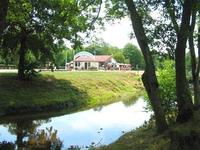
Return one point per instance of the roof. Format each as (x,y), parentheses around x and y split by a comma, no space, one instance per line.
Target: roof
(97,58)
(83,53)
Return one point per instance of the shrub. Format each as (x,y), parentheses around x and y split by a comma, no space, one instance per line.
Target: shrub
(167,86)
(29,70)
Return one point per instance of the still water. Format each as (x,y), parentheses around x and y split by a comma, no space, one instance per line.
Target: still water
(99,126)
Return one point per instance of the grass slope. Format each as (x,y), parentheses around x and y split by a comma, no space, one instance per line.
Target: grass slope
(56,90)
(185,136)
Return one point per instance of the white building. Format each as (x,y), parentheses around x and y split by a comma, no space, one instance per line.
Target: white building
(87,61)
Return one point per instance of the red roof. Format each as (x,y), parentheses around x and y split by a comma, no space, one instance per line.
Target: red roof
(97,58)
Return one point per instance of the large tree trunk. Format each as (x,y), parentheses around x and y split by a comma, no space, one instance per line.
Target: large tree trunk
(197,103)
(3,13)
(184,99)
(149,77)
(194,65)
(22,51)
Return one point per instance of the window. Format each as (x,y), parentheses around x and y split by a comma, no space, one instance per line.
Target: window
(77,64)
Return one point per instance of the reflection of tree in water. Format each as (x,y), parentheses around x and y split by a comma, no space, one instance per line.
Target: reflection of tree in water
(98,108)
(28,137)
(129,102)
(44,139)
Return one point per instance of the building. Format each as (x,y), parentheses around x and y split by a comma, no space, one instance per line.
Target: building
(125,67)
(87,61)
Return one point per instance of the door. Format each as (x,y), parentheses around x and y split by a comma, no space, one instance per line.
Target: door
(85,65)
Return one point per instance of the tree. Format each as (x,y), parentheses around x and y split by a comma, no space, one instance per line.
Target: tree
(39,26)
(184,100)
(102,48)
(181,14)
(149,77)
(119,57)
(3,13)
(195,64)
(134,55)
(176,11)
(60,56)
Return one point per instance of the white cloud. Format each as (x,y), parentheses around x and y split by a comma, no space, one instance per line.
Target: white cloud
(118,34)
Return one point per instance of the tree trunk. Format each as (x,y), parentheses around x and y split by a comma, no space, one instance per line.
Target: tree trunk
(194,65)
(194,69)
(22,51)
(197,103)
(3,13)
(184,99)
(195,74)
(149,77)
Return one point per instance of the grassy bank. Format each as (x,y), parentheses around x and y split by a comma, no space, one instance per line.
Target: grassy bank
(142,138)
(184,136)
(72,90)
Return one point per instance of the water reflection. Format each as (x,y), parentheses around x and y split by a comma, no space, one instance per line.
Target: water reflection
(28,137)
(102,125)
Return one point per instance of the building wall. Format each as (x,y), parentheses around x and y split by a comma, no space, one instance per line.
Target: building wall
(94,64)
(81,65)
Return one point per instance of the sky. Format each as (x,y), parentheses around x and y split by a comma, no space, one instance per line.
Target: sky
(118,34)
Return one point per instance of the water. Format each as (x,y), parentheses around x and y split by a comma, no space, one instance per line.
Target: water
(98,126)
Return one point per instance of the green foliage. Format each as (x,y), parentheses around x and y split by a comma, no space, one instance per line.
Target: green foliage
(60,56)
(167,82)
(102,49)
(43,25)
(167,86)
(134,55)
(119,57)
(30,70)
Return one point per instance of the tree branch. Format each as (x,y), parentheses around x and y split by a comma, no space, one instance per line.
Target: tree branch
(191,44)
(198,66)
(95,19)
(89,4)
(171,12)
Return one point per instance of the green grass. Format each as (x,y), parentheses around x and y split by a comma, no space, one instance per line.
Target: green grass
(183,136)
(56,90)
(140,139)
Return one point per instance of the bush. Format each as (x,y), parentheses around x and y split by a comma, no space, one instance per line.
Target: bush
(29,70)
(167,85)
(167,82)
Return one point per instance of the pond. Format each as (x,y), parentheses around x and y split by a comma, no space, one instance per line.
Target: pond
(99,126)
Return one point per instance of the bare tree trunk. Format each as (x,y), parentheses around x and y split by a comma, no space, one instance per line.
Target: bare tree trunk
(149,77)
(197,103)
(22,51)
(3,13)
(195,73)
(184,99)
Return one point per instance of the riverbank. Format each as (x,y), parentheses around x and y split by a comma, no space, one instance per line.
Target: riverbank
(66,90)
(184,136)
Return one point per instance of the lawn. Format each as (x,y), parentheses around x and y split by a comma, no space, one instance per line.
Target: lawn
(72,90)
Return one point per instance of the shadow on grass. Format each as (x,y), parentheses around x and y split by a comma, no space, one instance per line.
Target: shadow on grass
(42,93)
